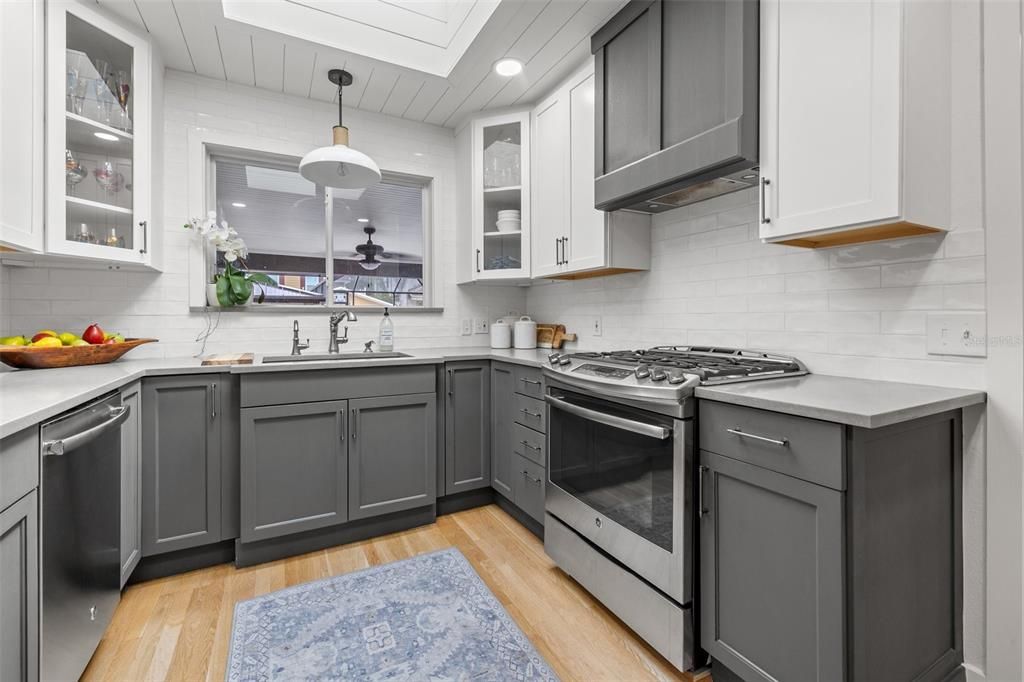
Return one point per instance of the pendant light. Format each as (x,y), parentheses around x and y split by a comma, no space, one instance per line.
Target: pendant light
(339,165)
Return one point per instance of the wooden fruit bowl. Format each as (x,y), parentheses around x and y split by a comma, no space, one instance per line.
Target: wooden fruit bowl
(27,357)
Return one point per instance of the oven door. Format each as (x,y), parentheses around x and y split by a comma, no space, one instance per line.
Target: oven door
(622,478)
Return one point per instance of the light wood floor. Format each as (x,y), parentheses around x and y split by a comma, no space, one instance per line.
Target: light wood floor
(178,628)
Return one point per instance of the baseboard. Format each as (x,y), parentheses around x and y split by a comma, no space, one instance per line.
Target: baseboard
(252,553)
(449,504)
(182,561)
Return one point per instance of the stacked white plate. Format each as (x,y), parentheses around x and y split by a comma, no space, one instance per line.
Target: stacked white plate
(509,221)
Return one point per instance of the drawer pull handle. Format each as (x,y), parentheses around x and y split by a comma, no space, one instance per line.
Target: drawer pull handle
(535,415)
(530,478)
(529,381)
(532,447)
(701,509)
(781,442)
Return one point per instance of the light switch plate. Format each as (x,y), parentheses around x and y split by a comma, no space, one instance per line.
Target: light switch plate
(956,334)
(480,325)
(595,327)
(467,326)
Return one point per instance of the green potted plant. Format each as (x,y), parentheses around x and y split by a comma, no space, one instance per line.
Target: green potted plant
(234,285)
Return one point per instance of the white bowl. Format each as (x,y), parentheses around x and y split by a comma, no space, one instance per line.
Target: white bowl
(509,225)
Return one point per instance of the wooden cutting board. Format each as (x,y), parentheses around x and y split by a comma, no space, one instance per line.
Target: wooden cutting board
(227,359)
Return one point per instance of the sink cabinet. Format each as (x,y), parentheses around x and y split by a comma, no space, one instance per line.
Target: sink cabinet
(830,552)
(183,419)
(391,456)
(294,468)
(467,426)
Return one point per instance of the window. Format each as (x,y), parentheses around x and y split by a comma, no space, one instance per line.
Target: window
(359,248)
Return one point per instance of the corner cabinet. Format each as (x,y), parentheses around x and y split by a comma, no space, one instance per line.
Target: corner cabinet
(494,219)
(861,104)
(571,239)
(21,124)
(103,89)
(467,426)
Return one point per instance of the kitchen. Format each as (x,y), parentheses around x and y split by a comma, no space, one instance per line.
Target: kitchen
(871,267)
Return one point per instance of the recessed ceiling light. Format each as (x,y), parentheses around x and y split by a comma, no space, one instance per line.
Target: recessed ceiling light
(748,176)
(238,204)
(508,67)
(107,136)
(363,220)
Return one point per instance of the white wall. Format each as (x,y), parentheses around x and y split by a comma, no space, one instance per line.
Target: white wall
(156,305)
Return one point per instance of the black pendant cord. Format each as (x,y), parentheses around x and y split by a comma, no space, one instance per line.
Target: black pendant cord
(340,88)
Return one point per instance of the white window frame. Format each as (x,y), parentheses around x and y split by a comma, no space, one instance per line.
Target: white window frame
(204,144)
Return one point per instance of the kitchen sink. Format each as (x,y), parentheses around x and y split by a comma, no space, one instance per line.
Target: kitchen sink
(333,357)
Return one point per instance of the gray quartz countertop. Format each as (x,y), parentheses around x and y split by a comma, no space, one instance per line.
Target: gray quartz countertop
(28,397)
(856,402)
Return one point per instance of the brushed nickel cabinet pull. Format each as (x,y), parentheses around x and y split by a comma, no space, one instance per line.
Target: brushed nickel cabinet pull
(764,201)
(781,442)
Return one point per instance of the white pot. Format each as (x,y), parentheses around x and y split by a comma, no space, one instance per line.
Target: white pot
(525,332)
(211,296)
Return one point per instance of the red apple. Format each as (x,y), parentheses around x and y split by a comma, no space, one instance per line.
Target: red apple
(110,340)
(42,335)
(93,334)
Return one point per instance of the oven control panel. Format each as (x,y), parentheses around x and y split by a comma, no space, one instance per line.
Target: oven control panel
(604,371)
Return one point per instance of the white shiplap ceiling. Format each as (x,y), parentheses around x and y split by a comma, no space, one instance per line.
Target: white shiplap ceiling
(550,37)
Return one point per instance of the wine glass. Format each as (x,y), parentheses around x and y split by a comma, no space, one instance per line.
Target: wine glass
(109,179)
(122,89)
(74,172)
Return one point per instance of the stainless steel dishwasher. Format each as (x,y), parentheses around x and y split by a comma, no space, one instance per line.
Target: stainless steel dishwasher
(81,511)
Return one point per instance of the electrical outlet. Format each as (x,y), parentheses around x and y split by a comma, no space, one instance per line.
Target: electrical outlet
(595,327)
(480,325)
(957,334)
(467,326)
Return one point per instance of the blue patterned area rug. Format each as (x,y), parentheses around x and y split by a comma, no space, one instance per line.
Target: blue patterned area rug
(428,618)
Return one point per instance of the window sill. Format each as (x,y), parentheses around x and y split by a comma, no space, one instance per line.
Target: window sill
(272,308)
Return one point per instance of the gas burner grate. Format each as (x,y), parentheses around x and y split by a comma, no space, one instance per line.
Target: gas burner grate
(710,364)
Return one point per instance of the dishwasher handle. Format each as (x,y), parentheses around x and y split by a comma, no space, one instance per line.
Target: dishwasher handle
(116,417)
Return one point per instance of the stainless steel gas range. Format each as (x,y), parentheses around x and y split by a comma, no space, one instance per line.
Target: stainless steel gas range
(623,483)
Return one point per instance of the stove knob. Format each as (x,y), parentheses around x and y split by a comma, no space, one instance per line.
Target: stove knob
(554,358)
(565,360)
(676,378)
(658,375)
(642,372)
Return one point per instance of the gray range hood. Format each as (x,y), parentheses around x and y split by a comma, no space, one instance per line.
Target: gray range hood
(677,100)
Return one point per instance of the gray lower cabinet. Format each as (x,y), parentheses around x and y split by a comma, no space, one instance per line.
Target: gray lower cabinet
(391,454)
(503,458)
(529,488)
(830,552)
(771,573)
(467,426)
(19,590)
(182,418)
(294,468)
(131,481)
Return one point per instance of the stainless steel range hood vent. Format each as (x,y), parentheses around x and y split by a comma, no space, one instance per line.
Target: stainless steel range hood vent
(677,100)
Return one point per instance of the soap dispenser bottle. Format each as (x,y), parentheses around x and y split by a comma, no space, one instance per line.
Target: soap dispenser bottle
(387,334)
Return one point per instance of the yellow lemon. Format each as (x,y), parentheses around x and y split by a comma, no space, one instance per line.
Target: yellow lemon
(47,342)
(67,338)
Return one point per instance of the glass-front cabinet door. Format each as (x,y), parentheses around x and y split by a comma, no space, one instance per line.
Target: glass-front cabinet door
(501,197)
(99,154)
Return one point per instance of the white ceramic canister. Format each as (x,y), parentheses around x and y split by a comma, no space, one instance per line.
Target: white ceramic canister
(525,333)
(501,334)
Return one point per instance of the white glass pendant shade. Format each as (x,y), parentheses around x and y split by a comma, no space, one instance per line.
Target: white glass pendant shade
(339,165)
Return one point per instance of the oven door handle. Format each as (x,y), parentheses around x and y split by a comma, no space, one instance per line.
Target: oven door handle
(644,429)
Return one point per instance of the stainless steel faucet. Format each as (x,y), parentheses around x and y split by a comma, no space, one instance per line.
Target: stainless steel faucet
(334,340)
(297,347)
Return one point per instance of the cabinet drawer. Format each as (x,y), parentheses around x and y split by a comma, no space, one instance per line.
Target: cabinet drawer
(19,465)
(807,449)
(529,381)
(529,444)
(530,412)
(529,488)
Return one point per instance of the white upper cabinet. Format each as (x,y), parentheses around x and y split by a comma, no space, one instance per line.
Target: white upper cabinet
(855,130)
(103,80)
(571,238)
(21,124)
(494,219)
